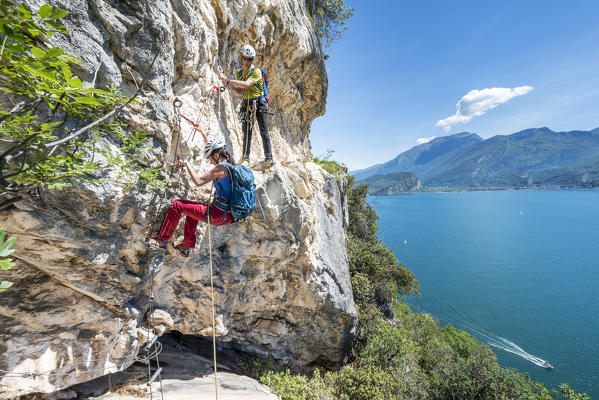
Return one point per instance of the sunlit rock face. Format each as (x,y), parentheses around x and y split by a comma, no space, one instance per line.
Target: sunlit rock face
(80,305)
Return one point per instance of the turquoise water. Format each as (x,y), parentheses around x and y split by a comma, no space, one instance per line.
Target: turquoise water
(522,264)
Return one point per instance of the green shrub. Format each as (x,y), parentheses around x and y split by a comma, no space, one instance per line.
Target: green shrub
(362,288)
(460,341)
(366,383)
(332,167)
(387,276)
(388,346)
(362,217)
(329,18)
(294,386)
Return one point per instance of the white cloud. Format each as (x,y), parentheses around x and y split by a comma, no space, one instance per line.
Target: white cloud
(478,102)
(423,140)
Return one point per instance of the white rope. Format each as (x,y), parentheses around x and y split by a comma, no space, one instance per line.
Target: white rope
(213,308)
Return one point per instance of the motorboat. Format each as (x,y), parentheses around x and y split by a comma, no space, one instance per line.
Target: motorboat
(546,365)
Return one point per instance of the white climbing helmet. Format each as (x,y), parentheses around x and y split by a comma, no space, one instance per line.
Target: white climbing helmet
(248,51)
(212,145)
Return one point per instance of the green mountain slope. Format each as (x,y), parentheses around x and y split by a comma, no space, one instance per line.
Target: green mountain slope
(422,158)
(530,158)
(400,182)
(526,158)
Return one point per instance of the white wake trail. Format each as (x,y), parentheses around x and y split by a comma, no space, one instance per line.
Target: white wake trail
(513,348)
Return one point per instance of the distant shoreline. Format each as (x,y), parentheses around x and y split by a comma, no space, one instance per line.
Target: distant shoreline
(486,189)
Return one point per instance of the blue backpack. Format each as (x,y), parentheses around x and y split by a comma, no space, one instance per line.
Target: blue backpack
(264,81)
(242,200)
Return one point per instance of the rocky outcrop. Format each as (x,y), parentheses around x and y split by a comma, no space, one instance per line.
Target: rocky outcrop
(79,306)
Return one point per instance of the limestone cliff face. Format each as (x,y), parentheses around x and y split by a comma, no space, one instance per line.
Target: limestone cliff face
(79,305)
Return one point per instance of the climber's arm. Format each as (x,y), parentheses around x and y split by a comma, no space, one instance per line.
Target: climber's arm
(219,171)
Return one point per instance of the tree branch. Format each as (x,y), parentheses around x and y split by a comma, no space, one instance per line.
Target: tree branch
(88,127)
(56,104)
(21,106)
(23,143)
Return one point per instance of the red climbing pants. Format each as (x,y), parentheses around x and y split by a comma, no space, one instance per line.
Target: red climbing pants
(194,212)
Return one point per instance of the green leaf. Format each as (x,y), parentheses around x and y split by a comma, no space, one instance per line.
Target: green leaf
(5,247)
(40,73)
(26,13)
(58,13)
(56,25)
(34,32)
(54,52)
(37,52)
(5,285)
(15,48)
(66,71)
(7,263)
(87,100)
(45,11)
(74,83)
(19,37)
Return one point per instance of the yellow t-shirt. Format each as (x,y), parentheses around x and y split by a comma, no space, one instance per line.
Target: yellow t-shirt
(256,77)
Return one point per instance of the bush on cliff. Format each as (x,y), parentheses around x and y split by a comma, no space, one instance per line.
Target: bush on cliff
(329,18)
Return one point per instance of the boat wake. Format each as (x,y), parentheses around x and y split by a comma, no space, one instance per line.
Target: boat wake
(513,348)
(488,336)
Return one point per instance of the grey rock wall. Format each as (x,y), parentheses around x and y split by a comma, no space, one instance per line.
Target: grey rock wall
(79,305)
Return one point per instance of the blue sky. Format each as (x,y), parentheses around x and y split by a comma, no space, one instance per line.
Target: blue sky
(402,66)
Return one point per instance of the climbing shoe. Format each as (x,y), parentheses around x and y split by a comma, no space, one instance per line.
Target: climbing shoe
(184,252)
(153,243)
(263,165)
(244,161)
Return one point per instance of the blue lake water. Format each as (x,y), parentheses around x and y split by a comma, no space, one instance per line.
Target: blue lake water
(523,265)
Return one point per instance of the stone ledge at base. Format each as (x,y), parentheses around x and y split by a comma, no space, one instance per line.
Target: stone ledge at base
(231,387)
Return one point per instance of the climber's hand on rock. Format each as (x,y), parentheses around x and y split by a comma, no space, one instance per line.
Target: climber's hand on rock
(222,77)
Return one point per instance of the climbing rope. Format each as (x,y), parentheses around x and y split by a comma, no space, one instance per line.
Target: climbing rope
(212,298)
(196,125)
(158,373)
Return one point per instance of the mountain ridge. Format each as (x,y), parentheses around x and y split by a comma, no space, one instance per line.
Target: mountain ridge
(420,155)
(528,158)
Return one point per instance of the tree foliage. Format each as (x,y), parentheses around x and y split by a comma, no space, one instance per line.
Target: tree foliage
(377,275)
(329,18)
(45,105)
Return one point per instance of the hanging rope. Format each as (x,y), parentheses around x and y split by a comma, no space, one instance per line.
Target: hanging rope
(212,298)
(196,125)
(158,373)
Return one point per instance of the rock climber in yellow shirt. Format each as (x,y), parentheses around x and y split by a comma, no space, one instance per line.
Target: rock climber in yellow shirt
(250,85)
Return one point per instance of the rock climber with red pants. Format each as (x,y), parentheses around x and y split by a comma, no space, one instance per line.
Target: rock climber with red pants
(217,153)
